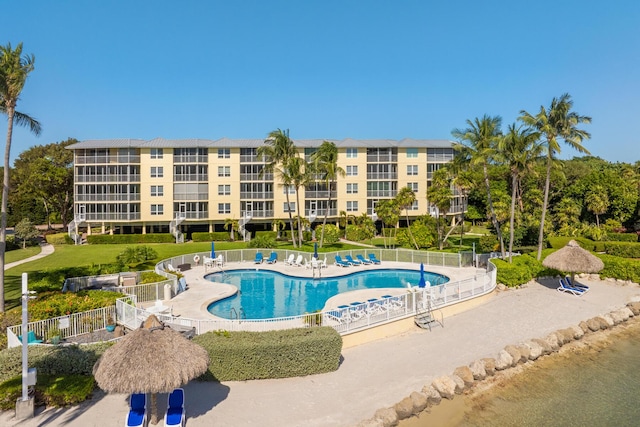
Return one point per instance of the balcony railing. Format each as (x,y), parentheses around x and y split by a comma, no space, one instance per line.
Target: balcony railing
(382,175)
(382,158)
(309,194)
(107,197)
(108,178)
(194,158)
(85,160)
(248,158)
(256,177)
(320,212)
(382,193)
(113,216)
(191,196)
(196,215)
(194,177)
(259,213)
(252,195)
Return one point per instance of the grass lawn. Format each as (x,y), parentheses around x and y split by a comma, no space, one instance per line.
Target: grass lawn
(71,256)
(20,254)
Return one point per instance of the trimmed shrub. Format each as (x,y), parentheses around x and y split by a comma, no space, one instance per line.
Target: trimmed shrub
(240,356)
(620,268)
(488,243)
(268,234)
(622,249)
(264,241)
(59,239)
(590,245)
(621,237)
(119,239)
(523,269)
(54,304)
(217,236)
(50,390)
(332,234)
(56,360)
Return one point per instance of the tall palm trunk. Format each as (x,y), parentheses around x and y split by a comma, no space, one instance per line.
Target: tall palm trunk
(494,220)
(5,197)
(544,206)
(406,212)
(514,190)
(293,234)
(299,217)
(326,213)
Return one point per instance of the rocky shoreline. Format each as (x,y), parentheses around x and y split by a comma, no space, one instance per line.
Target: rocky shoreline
(465,378)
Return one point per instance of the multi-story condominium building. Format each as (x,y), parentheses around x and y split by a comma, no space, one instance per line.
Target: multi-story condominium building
(183,186)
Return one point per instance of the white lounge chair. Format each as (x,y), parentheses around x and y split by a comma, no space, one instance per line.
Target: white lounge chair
(220,261)
(289,261)
(298,262)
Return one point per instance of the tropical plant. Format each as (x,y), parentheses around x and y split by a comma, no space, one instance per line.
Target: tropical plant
(597,202)
(25,230)
(477,146)
(405,199)
(557,122)
(389,213)
(439,195)
(277,150)
(519,148)
(325,161)
(231,225)
(14,70)
(278,225)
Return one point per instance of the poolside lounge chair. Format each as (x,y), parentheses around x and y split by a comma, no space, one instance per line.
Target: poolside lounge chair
(220,261)
(207,262)
(298,262)
(323,264)
(258,259)
(352,261)
(572,290)
(568,281)
(289,261)
(340,262)
(373,259)
(273,258)
(31,338)
(175,409)
(363,260)
(137,410)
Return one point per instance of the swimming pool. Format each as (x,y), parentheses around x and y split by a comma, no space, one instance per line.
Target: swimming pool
(269,294)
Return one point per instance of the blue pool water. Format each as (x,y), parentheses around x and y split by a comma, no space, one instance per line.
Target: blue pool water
(268,294)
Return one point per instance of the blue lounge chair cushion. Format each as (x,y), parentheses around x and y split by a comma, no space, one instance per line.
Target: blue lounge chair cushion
(31,338)
(272,258)
(137,413)
(352,261)
(174,416)
(363,259)
(258,259)
(373,259)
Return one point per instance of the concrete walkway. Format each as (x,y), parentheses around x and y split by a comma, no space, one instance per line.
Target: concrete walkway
(45,249)
(373,375)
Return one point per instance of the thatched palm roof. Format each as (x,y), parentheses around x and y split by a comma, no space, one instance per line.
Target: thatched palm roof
(155,360)
(573,259)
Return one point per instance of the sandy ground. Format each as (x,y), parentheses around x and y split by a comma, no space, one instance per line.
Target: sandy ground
(373,375)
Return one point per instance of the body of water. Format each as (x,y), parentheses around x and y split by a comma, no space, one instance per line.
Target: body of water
(597,386)
(268,294)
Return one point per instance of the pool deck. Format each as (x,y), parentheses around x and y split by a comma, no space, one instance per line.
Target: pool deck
(193,303)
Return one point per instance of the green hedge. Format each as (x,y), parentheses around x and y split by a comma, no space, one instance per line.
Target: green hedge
(620,268)
(622,237)
(118,239)
(240,356)
(54,304)
(49,390)
(216,236)
(588,244)
(267,234)
(52,360)
(59,239)
(622,249)
(523,269)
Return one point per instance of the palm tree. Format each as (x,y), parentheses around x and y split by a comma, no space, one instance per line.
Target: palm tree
(278,148)
(405,199)
(440,196)
(477,146)
(325,160)
(558,122)
(597,201)
(277,225)
(231,225)
(388,212)
(14,70)
(519,149)
(300,175)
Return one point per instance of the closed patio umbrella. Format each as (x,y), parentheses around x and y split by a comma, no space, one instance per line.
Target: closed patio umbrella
(315,250)
(152,359)
(213,250)
(422,283)
(573,259)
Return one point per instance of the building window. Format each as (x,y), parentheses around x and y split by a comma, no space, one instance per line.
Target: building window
(412,153)
(224,153)
(156,153)
(352,206)
(157,190)
(157,209)
(224,170)
(290,189)
(224,190)
(157,171)
(352,153)
(352,170)
(352,188)
(413,186)
(414,206)
(412,169)
(224,208)
(289,207)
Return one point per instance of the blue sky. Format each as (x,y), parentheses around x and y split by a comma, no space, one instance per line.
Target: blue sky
(323,69)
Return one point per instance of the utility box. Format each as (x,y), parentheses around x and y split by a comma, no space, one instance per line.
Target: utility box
(31,376)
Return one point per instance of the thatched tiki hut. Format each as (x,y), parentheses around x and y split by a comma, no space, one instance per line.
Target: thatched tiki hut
(152,359)
(573,259)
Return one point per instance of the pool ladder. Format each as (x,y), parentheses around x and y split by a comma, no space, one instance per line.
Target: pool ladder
(234,315)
